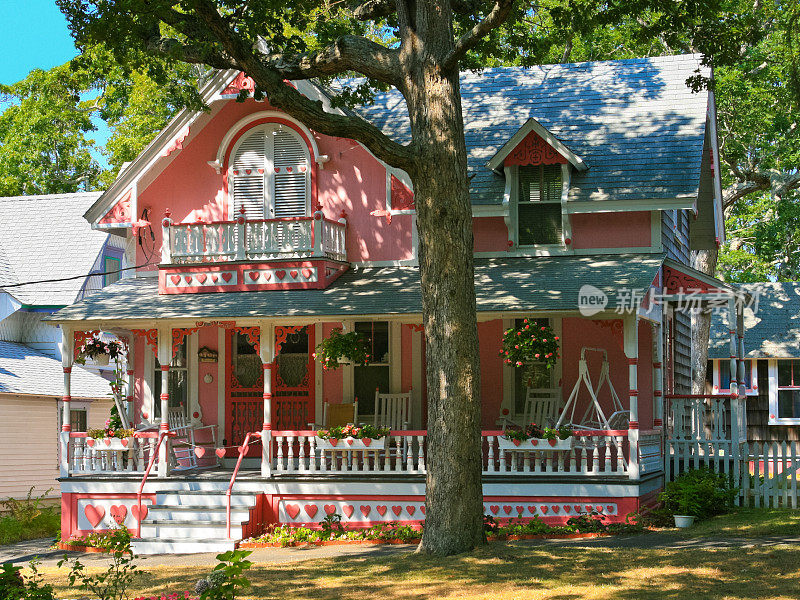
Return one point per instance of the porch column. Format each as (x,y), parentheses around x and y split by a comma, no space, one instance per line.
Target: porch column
(165,359)
(67,358)
(631,347)
(658,383)
(129,364)
(742,382)
(734,389)
(267,354)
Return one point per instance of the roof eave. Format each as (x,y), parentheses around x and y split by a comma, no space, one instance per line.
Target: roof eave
(532,125)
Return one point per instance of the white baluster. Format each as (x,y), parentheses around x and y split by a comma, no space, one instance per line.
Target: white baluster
(490,454)
(279,453)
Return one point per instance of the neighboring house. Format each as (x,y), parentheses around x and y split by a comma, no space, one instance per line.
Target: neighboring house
(255,237)
(772,352)
(65,248)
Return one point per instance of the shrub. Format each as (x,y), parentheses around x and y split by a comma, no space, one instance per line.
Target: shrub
(28,519)
(113,583)
(226,579)
(13,585)
(701,493)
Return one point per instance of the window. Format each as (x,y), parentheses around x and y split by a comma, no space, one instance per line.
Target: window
(111,267)
(270,173)
(788,390)
(542,377)
(721,377)
(539,205)
(178,381)
(376,374)
(77,419)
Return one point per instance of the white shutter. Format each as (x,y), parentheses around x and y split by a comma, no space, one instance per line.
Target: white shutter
(248,168)
(292,176)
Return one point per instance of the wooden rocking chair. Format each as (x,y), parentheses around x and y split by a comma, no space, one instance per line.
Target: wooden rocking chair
(542,406)
(184,444)
(392,410)
(337,415)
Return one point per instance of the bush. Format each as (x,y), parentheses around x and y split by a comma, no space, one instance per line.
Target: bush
(28,519)
(13,585)
(701,493)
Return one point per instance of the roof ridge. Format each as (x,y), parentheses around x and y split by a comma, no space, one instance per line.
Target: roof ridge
(46,196)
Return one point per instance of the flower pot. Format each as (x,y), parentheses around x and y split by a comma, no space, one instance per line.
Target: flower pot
(683,521)
(534,444)
(101,359)
(351,444)
(118,444)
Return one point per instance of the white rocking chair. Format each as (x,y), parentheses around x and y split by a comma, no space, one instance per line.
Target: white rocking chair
(184,444)
(392,410)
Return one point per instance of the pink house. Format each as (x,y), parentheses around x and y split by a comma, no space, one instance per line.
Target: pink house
(254,237)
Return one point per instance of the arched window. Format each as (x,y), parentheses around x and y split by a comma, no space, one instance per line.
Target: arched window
(270,172)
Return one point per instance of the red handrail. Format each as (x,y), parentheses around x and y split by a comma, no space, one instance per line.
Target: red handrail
(161,437)
(242,450)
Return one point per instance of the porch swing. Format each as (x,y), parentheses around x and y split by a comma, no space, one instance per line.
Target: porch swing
(594,417)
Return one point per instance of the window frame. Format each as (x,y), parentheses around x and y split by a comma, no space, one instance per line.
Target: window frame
(389,364)
(515,191)
(774,389)
(116,267)
(719,364)
(268,200)
(192,404)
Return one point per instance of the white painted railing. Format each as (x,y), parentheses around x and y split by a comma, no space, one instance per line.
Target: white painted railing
(253,239)
(94,460)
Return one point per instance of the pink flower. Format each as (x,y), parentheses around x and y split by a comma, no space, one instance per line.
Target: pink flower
(536,356)
(556,338)
(519,363)
(517,346)
(543,328)
(524,320)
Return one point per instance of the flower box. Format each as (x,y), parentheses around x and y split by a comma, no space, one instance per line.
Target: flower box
(350,443)
(534,444)
(117,444)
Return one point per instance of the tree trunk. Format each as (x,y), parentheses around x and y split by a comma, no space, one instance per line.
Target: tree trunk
(454,497)
(705,261)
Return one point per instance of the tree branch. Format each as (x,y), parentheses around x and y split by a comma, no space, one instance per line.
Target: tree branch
(374,10)
(472,38)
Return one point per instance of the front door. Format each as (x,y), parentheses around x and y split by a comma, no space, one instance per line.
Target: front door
(244,392)
(293,378)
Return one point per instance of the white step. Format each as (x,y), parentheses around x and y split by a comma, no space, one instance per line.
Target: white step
(190,530)
(204,498)
(180,546)
(239,514)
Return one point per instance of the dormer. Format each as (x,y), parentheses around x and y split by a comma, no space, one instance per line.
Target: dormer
(537,168)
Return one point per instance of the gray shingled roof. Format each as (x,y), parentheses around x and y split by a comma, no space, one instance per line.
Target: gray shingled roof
(635,123)
(772,330)
(46,237)
(520,284)
(24,370)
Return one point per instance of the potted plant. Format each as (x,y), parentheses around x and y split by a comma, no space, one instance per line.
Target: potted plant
(341,348)
(110,438)
(528,345)
(698,494)
(100,351)
(534,437)
(352,437)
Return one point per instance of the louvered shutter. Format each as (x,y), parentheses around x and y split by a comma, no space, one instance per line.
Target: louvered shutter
(291,174)
(248,175)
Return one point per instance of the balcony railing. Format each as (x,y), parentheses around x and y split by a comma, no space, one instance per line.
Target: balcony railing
(253,239)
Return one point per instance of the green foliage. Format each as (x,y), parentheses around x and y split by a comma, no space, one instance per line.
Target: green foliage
(28,519)
(358,432)
(352,346)
(13,586)
(701,493)
(534,431)
(530,344)
(227,578)
(112,584)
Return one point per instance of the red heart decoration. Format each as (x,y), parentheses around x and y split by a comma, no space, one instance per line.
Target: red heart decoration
(333,441)
(227,277)
(176,279)
(303,169)
(118,513)
(187,278)
(220,452)
(94,513)
(293,274)
(411,510)
(552,442)
(397,510)
(329,509)
(200,452)
(292,510)
(135,512)
(261,171)
(578,508)
(610,507)
(367,441)
(534,442)
(544,510)
(422,508)
(567,509)
(311,510)
(107,441)
(556,509)
(381,510)
(350,441)
(280,274)
(507,509)
(307,273)
(520,509)
(277,169)
(532,509)
(365,510)
(90,441)
(124,442)
(214,278)
(494,509)
(517,442)
(348,510)
(201,278)
(599,509)
(253,275)
(247,171)
(288,169)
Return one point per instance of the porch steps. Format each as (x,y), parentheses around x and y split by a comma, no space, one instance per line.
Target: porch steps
(193,521)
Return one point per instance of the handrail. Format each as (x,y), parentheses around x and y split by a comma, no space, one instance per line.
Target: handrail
(161,436)
(699,396)
(242,450)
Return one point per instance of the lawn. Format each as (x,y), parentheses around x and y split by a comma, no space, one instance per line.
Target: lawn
(525,571)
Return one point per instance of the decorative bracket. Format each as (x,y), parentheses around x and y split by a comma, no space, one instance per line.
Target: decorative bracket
(150,338)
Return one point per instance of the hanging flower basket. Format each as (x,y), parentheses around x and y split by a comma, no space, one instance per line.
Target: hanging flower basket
(99,351)
(343,348)
(529,345)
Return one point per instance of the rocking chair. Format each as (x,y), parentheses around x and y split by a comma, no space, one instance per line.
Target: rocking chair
(185,444)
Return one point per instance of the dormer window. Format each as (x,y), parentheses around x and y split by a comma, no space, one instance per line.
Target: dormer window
(539,205)
(271,174)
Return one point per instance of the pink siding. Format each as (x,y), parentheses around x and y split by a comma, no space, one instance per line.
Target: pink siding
(491,234)
(611,230)
(207,392)
(332,380)
(138,388)
(408,360)
(645,380)
(490,338)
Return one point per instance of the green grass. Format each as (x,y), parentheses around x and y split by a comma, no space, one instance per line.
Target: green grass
(748,523)
(46,524)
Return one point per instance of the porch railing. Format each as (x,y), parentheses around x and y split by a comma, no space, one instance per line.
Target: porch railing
(88,460)
(253,239)
(592,453)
